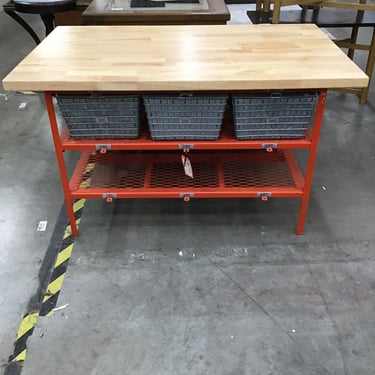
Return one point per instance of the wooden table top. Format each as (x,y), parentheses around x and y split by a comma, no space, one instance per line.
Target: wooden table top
(99,12)
(159,58)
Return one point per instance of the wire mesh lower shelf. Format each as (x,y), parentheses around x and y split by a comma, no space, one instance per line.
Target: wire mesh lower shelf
(250,173)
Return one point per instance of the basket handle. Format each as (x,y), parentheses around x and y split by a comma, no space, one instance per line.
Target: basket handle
(185,94)
(276,94)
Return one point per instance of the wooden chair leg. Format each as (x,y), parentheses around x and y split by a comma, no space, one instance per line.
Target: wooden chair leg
(266,6)
(353,40)
(276,11)
(369,69)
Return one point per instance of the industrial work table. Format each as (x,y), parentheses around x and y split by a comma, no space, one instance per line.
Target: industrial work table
(213,59)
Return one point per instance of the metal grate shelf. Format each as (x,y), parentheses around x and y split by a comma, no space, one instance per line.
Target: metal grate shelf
(123,174)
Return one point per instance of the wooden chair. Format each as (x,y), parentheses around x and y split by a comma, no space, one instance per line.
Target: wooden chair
(359,6)
(314,11)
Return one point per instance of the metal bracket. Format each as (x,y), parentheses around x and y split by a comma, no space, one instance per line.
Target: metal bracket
(269,146)
(186,196)
(188,146)
(264,195)
(103,148)
(109,197)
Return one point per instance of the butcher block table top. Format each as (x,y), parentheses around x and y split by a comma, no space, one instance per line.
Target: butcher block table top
(161,58)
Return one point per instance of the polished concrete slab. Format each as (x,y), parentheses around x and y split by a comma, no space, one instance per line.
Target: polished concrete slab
(27,193)
(205,287)
(165,314)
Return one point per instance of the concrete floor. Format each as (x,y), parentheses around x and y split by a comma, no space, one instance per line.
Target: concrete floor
(206,287)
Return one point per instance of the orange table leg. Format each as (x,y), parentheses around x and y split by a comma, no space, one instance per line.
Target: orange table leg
(61,163)
(311,162)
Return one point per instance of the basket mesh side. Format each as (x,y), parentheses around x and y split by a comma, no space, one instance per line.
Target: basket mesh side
(196,117)
(103,116)
(261,116)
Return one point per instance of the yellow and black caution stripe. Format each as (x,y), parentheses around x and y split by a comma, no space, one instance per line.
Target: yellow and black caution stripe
(24,332)
(52,291)
(61,264)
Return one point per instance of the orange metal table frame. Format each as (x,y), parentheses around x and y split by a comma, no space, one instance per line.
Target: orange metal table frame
(258,169)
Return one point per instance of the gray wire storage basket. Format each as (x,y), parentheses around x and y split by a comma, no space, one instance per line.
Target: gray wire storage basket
(101,116)
(185,117)
(273,115)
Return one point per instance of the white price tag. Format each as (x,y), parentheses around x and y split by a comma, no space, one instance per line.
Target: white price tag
(187,166)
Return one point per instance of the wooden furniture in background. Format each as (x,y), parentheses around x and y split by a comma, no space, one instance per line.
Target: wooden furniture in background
(73,17)
(338,4)
(99,12)
(328,14)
